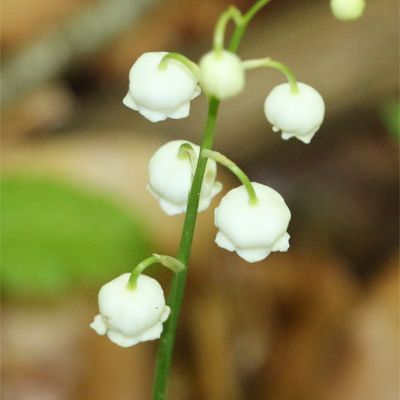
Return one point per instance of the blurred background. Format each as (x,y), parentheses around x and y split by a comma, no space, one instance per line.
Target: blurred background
(318,323)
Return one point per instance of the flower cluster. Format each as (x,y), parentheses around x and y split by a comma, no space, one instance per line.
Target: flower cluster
(252,229)
(162,87)
(251,219)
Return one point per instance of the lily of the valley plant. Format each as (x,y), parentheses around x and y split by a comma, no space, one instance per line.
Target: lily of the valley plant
(252,219)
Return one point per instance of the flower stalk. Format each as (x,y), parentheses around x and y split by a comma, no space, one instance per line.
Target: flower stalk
(167,261)
(270,63)
(192,66)
(232,13)
(164,355)
(226,162)
(242,26)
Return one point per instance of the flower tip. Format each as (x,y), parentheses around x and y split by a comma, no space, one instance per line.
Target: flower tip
(181,112)
(217,187)
(282,244)
(165,314)
(98,325)
(254,255)
(128,102)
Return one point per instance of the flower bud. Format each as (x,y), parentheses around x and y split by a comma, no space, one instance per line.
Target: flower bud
(253,231)
(160,93)
(129,316)
(296,114)
(347,10)
(221,74)
(171,177)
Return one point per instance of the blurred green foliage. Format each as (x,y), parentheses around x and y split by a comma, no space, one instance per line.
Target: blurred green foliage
(391,117)
(57,237)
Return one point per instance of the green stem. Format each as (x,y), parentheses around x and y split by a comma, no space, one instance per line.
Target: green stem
(167,261)
(232,13)
(241,28)
(192,66)
(176,293)
(166,345)
(270,63)
(226,162)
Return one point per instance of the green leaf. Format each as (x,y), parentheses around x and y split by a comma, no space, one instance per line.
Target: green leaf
(391,117)
(57,237)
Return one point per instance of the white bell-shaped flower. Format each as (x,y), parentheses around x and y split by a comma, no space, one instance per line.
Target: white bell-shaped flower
(253,231)
(222,74)
(129,316)
(171,176)
(160,93)
(347,10)
(295,114)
